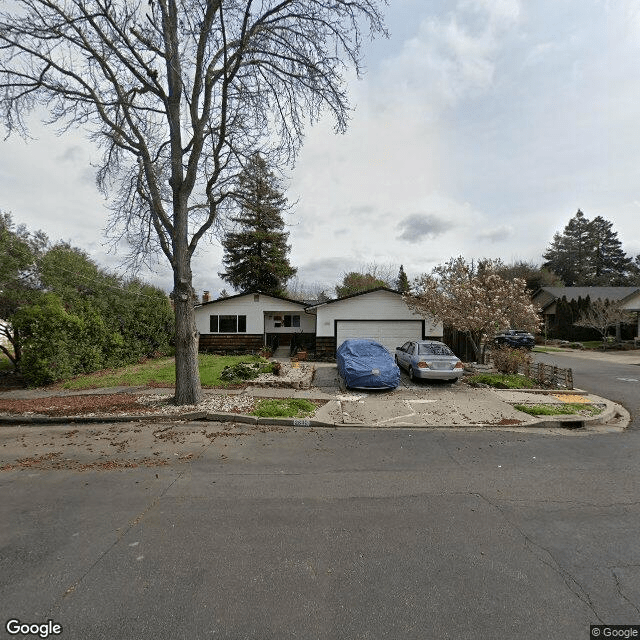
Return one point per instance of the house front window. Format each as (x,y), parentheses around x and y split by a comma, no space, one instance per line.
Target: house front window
(291,321)
(228,324)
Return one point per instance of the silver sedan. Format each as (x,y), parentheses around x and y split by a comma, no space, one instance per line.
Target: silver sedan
(429,360)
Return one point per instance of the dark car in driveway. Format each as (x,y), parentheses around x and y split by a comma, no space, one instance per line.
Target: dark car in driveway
(366,364)
(515,338)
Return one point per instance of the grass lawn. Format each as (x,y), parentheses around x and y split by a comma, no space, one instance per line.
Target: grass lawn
(284,408)
(594,344)
(568,409)
(504,380)
(543,349)
(159,372)
(5,363)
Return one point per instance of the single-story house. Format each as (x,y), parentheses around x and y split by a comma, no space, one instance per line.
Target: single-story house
(249,321)
(546,298)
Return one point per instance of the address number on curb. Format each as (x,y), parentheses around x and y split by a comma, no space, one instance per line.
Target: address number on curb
(301,422)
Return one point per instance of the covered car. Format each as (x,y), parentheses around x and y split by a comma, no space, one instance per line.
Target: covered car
(430,360)
(366,364)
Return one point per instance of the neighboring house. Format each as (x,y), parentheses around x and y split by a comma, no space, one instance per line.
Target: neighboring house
(547,298)
(250,321)
(4,328)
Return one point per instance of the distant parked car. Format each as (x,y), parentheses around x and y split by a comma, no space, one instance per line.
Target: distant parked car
(366,364)
(515,338)
(429,360)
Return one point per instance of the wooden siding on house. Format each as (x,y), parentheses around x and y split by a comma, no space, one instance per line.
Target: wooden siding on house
(325,347)
(228,342)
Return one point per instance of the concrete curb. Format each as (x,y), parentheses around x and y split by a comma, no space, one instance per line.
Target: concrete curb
(571,422)
(558,422)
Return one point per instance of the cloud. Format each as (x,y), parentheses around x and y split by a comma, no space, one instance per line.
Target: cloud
(497,234)
(454,55)
(499,12)
(72,154)
(326,270)
(362,210)
(419,226)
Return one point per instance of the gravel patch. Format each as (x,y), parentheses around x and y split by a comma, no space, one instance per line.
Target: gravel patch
(161,404)
(296,375)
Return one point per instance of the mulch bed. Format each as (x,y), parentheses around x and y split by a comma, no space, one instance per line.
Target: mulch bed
(76,405)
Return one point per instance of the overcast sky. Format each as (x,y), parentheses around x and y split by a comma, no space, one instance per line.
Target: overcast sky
(479,129)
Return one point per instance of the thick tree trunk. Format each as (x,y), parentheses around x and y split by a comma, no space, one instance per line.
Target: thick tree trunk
(188,389)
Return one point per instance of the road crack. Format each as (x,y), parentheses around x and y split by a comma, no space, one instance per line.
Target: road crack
(545,556)
(622,595)
(131,525)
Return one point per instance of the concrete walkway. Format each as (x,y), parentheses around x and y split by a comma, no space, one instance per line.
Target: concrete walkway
(411,405)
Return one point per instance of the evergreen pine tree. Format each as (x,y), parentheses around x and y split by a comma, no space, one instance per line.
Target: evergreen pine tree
(610,264)
(569,252)
(588,253)
(256,254)
(402,283)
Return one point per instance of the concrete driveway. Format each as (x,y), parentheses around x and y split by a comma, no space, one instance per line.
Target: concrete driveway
(433,404)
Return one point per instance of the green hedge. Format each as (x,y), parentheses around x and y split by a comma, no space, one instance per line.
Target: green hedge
(60,340)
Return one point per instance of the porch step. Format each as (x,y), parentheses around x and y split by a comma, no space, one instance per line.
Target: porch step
(282,352)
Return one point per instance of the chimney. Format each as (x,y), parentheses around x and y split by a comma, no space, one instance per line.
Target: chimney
(205,297)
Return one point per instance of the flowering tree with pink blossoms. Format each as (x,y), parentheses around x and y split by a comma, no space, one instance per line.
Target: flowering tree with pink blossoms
(474,299)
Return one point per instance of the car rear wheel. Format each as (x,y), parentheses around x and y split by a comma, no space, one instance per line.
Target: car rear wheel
(411,375)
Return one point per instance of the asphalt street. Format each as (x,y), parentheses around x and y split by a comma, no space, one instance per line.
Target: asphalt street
(348,533)
(264,533)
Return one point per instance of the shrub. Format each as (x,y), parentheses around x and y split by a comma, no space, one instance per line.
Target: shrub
(503,380)
(61,339)
(51,337)
(245,371)
(509,360)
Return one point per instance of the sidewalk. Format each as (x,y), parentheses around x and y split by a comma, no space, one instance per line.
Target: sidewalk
(412,405)
(619,357)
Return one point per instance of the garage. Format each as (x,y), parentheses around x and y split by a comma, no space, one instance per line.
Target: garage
(390,333)
(379,314)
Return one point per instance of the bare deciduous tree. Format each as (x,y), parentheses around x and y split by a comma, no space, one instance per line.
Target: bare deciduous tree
(178,94)
(298,290)
(474,300)
(603,314)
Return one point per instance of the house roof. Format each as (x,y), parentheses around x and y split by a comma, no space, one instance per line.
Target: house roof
(355,295)
(252,293)
(594,293)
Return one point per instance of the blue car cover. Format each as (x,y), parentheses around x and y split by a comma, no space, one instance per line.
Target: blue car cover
(366,364)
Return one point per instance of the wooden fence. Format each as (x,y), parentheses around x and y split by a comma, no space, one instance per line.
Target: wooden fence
(547,375)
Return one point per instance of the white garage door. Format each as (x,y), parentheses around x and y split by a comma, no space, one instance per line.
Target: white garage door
(391,334)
